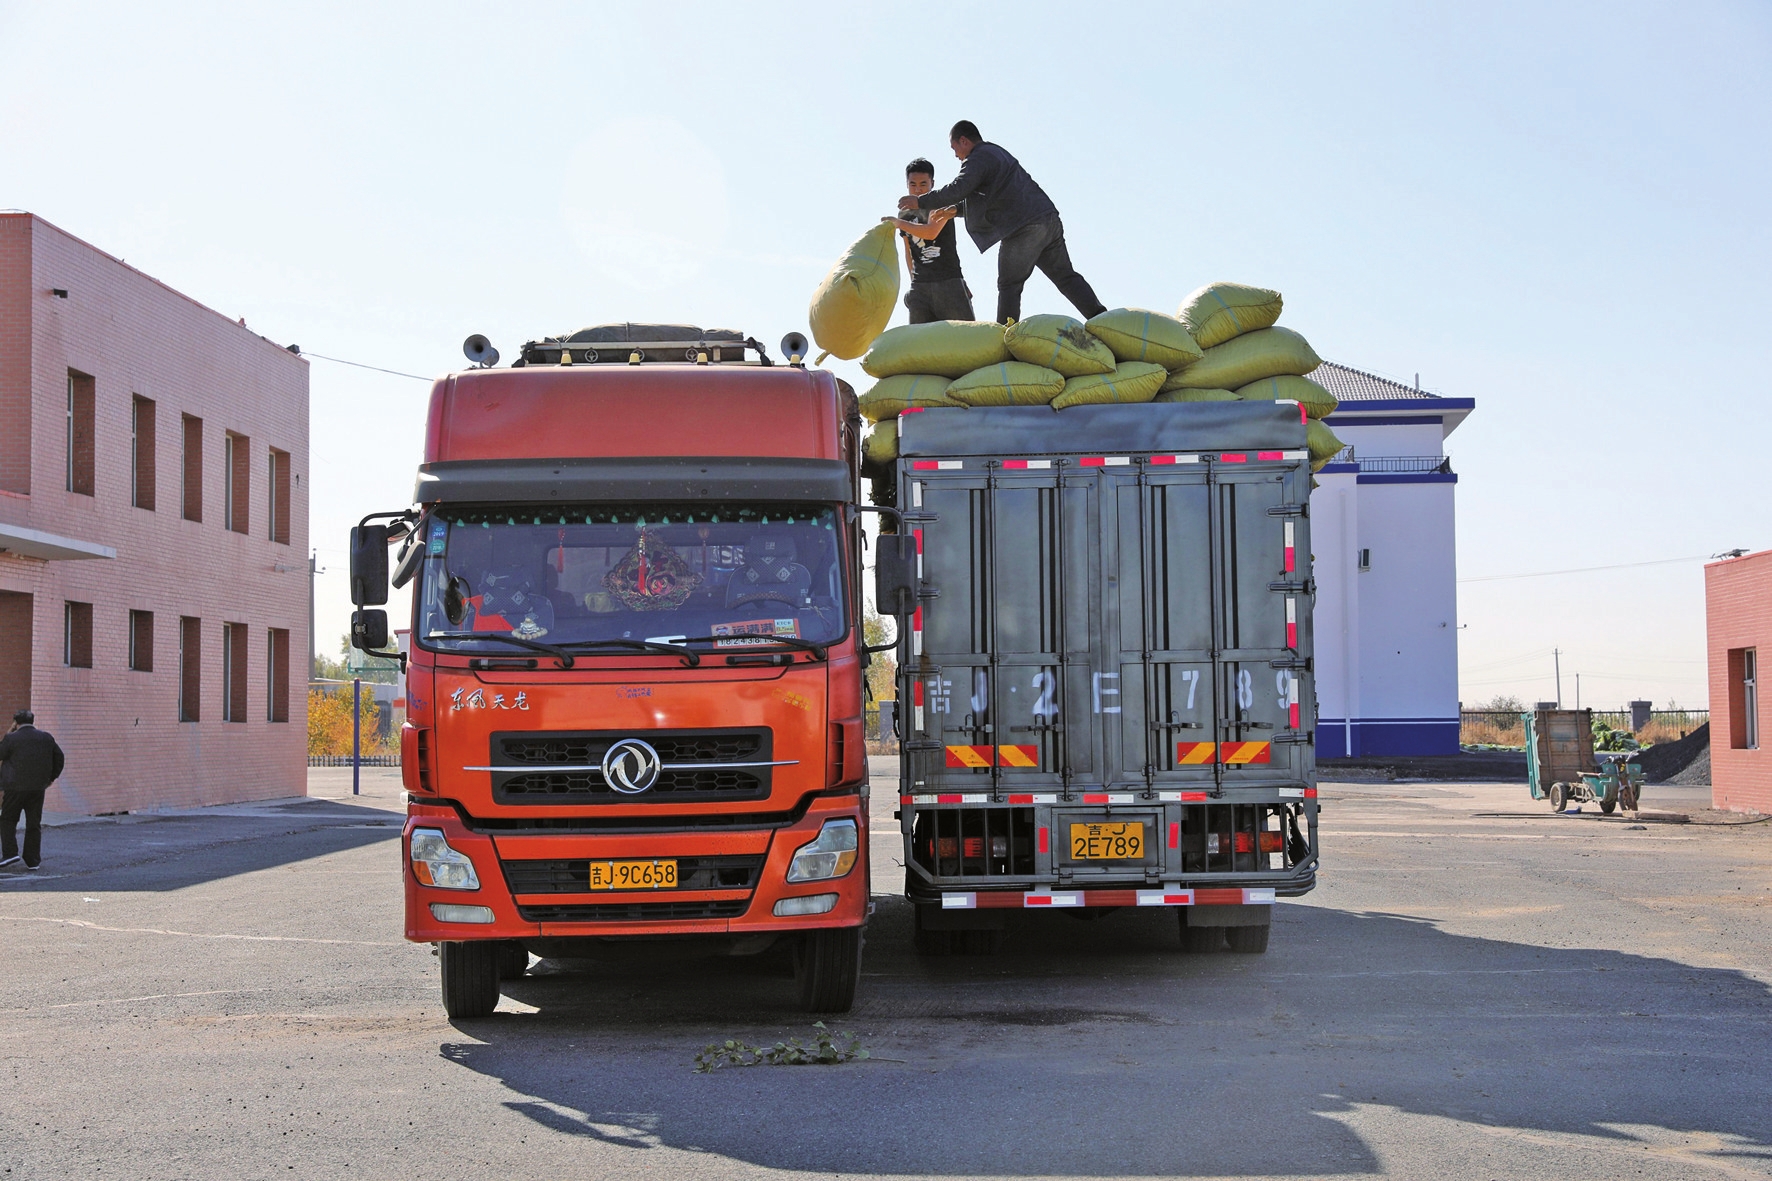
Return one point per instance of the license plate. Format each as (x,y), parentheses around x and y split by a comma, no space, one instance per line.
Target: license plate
(1120,841)
(633,875)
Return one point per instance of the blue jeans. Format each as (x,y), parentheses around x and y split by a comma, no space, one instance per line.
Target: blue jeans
(1040,244)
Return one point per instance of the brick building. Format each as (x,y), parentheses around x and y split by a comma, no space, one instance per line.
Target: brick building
(153,533)
(1738,624)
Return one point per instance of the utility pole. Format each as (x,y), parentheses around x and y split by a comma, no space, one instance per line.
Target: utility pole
(1557,656)
(1577,690)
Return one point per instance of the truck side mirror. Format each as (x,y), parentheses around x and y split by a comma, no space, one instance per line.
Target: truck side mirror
(369,630)
(369,566)
(895,574)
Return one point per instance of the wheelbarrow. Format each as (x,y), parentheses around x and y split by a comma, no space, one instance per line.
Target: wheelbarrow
(1561,767)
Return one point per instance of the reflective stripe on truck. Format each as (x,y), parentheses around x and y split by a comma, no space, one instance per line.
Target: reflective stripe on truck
(1171,896)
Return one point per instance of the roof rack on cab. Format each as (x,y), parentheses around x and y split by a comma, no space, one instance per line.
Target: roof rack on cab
(643,344)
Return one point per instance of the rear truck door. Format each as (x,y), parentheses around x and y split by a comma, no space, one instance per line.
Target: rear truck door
(1001,676)
(1210,565)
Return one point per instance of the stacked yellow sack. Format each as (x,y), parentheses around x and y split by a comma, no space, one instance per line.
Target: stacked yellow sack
(853,304)
(1219,311)
(946,348)
(892,396)
(1058,343)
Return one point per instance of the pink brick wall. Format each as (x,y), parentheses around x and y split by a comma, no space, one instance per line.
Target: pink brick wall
(126,748)
(1738,614)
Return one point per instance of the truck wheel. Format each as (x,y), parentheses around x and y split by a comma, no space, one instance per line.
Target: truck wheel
(513,960)
(1199,940)
(470,978)
(926,941)
(1559,797)
(826,969)
(1248,940)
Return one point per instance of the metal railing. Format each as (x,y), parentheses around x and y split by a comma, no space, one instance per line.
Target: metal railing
(1393,463)
(1483,727)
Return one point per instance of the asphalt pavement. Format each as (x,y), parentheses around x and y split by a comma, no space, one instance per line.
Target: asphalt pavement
(1477,989)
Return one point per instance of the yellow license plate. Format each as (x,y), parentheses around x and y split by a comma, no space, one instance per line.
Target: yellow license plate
(1121,841)
(633,875)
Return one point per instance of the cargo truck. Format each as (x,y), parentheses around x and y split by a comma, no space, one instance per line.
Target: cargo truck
(634,678)
(1106,679)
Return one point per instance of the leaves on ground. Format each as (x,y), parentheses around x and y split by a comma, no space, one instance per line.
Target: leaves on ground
(825,1050)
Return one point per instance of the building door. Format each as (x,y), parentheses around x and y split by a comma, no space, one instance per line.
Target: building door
(15,654)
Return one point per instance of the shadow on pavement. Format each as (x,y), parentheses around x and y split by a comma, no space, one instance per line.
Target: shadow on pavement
(1096,1048)
(170,852)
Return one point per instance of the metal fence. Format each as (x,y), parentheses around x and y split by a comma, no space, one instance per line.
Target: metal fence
(1484,727)
(345,760)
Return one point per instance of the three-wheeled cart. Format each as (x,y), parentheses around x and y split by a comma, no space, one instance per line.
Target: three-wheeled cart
(1561,766)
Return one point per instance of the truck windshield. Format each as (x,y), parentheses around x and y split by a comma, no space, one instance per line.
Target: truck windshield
(585,574)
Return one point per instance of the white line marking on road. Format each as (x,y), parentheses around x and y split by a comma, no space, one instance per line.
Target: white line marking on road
(130,1000)
(17,918)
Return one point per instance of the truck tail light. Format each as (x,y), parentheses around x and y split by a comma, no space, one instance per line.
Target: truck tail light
(971,847)
(1270,842)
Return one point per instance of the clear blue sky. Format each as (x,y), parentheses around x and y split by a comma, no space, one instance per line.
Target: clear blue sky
(1559,210)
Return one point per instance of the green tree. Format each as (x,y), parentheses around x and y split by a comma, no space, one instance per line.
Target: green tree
(883,671)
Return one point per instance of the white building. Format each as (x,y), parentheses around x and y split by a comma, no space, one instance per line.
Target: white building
(1382,532)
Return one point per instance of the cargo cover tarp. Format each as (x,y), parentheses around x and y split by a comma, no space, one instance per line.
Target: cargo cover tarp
(1159,428)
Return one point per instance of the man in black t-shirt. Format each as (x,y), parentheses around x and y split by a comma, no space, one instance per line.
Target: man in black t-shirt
(938,290)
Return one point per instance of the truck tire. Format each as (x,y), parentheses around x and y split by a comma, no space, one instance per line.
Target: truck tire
(1559,797)
(1248,940)
(927,941)
(470,978)
(1199,940)
(513,960)
(826,969)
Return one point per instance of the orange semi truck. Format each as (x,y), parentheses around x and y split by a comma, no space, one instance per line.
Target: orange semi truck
(634,680)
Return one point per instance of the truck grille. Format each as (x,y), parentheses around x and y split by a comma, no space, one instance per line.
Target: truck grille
(632,912)
(515,752)
(693,873)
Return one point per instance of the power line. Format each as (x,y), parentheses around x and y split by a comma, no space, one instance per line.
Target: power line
(1584,569)
(361,365)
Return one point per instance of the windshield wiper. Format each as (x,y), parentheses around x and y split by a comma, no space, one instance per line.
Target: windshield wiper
(689,658)
(557,652)
(757,640)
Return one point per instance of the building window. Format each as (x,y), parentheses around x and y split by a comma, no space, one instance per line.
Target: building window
(80,415)
(278,498)
(193,469)
(77,635)
(1744,698)
(141,641)
(190,669)
(141,452)
(233,672)
(237,464)
(277,674)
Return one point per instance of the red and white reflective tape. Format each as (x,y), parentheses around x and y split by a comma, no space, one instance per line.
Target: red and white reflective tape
(1175,459)
(917,629)
(1035,798)
(947,797)
(1022,465)
(1292,701)
(1108,797)
(1291,546)
(936,465)
(1291,622)
(1184,797)
(917,703)
(916,494)
(1167,896)
(1233,457)
(1298,793)
(1295,455)
(1303,415)
(1105,461)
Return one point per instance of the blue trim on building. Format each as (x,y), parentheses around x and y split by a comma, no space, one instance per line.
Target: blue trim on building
(1337,469)
(1404,477)
(1386,736)
(1390,419)
(1353,405)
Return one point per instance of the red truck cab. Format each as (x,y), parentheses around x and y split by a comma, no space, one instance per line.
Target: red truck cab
(635,673)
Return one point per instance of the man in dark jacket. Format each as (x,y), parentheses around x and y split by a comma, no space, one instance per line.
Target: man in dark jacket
(1004,205)
(29,762)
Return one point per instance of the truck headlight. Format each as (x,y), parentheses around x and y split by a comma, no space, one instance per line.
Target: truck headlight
(434,863)
(830,855)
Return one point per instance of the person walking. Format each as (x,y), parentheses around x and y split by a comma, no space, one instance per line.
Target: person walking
(1004,206)
(30,761)
(938,289)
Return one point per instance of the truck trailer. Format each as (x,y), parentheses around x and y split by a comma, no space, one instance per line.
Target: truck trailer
(634,677)
(1106,682)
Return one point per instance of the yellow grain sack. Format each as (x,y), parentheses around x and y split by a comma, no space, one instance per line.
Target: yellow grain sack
(1169,395)
(952,348)
(880,448)
(892,396)
(1318,402)
(851,307)
(1131,381)
(1219,311)
(1137,335)
(1008,383)
(1060,343)
(1266,352)
(1322,443)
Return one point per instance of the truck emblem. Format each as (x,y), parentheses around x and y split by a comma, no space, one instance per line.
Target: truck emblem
(630,766)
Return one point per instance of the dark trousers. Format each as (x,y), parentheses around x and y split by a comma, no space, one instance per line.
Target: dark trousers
(948,299)
(30,803)
(1040,245)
